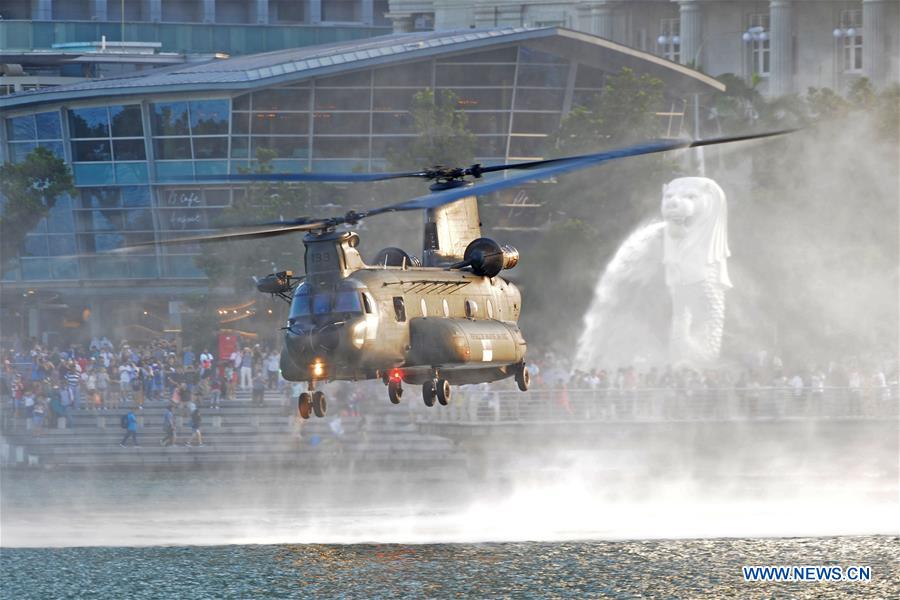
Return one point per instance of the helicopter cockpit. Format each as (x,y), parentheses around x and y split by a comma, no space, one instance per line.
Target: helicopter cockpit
(325,306)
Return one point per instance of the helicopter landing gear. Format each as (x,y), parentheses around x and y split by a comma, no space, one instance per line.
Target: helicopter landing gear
(304,404)
(523,377)
(319,404)
(429,393)
(442,390)
(395,391)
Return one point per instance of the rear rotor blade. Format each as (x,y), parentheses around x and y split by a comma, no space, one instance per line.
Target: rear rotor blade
(313,177)
(238,234)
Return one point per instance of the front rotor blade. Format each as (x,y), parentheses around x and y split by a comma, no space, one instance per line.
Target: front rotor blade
(556,166)
(242,234)
(313,177)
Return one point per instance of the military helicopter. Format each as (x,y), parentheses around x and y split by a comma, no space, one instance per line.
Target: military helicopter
(447,319)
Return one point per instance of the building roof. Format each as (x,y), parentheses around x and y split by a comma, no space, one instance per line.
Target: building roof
(283,66)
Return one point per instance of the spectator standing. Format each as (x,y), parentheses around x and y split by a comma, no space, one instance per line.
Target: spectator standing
(259,388)
(169,433)
(196,436)
(246,368)
(131,426)
(73,380)
(103,388)
(272,366)
(40,409)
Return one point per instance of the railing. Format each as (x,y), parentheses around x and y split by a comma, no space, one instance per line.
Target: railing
(659,405)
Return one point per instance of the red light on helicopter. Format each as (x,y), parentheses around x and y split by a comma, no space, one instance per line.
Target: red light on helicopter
(396,374)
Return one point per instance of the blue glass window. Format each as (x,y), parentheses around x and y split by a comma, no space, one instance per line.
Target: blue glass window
(126,121)
(132,172)
(170,118)
(64,268)
(21,128)
(35,268)
(212,147)
(173,148)
(133,196)
(89,122)
(209,117)
(140,220)
(91,151)
(61,245)
(129,150)
(35,245)
(59,219)
(20,150)
(48,127)
(93,173)
(55,147)
(99,198)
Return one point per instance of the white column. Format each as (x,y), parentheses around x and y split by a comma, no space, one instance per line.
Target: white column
(314,11)
(781,22)
(262,11)
(153,10)
(41,10)
(209,11)
(873,40)
(601,14)
(99,10)
(691,31)
(368,12)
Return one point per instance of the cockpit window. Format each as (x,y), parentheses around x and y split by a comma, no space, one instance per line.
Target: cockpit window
(322,303)
(300,303)
(347,301)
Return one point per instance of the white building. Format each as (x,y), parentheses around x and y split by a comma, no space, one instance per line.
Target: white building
(785,45)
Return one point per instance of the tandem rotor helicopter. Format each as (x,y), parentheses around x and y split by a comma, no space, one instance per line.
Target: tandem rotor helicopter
(443,320)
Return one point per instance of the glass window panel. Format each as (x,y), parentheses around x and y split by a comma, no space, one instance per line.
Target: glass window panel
(35,268)
(342,100)
(211,167)
(144,266)
(348,147)
(89,122)
(280,123)
(184,198)
(501,55)
(530,55)
(240,123)
(284,147)
(539,99)
(106,220)
(589,77)
(399,122)
(332,165)
(48,126)
(385,147)
(535,122)
(93,174)
(325,122)
(91,151)
(281,99)
(400,99)
(173,148)
(217,197)
(20,150)
(183,266)
(55,147)
(103,242)
(490,146)
(358,79)
(166,170)
(59,219)
(61,245)
(104,267)
(100,198)
(527,146)
(134,196)
(138,220)
(482,99)
(169,118)
(496,122)
(240,147)
(132,172)
(129,150)
(543,75)
(34,245)
(209,117)
(414,74)
(184,219)
(21,128)
(213,147)
(126,121)
(64,268)
(483,75)
(241,102)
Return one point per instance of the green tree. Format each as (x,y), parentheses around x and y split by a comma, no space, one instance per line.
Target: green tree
(233,264)
(441,134)
(29,190)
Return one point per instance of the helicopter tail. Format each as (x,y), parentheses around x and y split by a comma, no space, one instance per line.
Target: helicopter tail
(448,230)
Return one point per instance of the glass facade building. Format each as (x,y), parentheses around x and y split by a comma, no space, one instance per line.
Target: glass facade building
(132,143)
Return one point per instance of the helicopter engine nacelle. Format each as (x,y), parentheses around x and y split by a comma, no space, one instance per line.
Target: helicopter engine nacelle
(395,257)
(487,258)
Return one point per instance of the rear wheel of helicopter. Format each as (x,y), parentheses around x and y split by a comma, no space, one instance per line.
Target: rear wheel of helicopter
(443,391)
(395,391)
(319,404)
(429,392)
(523,378)
(304,405)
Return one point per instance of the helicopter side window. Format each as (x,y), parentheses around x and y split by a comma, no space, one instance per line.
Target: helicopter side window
(471,309)
(367,304)
(399,309)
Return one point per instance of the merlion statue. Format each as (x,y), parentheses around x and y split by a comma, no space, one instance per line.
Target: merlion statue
(695,255)
(629,319)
